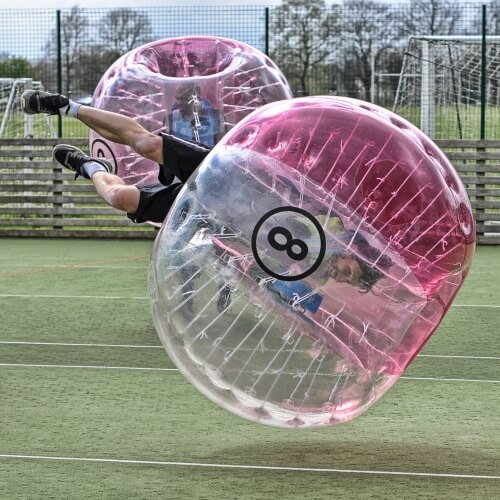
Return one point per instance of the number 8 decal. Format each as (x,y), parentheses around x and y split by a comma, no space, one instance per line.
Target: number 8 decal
(282,240)
(289,245)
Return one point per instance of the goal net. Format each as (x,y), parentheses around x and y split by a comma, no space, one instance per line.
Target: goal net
(441,87)
(14,122)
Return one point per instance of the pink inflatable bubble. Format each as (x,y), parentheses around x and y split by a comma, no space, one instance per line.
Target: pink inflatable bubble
(196,88)
(304,267)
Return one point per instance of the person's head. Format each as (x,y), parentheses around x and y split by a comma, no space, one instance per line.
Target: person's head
(345,268)
(358,268)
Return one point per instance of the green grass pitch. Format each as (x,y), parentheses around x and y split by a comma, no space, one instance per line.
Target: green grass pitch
(92,407)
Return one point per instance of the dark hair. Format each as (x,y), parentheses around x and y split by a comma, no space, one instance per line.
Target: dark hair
(370,274)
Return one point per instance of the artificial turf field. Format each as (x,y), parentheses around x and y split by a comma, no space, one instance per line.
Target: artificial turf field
(91,406)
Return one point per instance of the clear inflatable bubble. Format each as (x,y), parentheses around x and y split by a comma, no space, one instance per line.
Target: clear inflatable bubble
(196,88)
(309,260)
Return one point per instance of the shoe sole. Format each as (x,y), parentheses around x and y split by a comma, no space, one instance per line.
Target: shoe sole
(25,98)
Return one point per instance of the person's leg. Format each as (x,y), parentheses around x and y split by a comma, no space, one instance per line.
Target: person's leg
(111,188)
(122,130)
(112,126)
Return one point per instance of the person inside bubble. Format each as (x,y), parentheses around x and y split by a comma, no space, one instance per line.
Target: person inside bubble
(350,256)
(351,260)
(178,157)
(351,263)
(356,267)
(193,118)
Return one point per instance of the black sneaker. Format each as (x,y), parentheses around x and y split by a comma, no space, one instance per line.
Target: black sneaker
(36,101)
(74,159)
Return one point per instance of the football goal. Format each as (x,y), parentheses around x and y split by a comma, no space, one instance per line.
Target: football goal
(15,123)
(447,82)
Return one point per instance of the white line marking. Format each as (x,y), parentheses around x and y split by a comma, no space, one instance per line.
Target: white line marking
(145,368)
(106,297)
(476,305)
(133,346)
(250,467)
(452,379)
(112,297)
(74,344)
(451,356)
(92,367)
(58,266)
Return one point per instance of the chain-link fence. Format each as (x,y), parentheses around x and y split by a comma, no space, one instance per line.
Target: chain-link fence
(436,62)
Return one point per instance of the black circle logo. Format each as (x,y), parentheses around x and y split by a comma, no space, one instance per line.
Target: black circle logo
(281,239)
(100,149)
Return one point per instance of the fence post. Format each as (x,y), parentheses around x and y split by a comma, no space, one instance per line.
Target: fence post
(59,68)
(266,32)
(480,149)
(484,69)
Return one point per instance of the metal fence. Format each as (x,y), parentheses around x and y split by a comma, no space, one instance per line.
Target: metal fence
(436,62)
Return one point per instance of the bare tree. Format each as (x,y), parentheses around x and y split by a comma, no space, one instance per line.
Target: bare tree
(370,29)
(74,26)
(494,18)
(304,32)
(121,30)
(73,34)
(433,17)
(93,62)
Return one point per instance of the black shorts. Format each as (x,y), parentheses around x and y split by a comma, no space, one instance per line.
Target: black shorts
(155,202)
(180,159)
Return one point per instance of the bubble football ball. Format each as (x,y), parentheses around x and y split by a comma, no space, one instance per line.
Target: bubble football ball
(196,88)
(309,259)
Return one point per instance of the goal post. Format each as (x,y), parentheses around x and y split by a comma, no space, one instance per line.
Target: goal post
(440,85)
(14,122)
